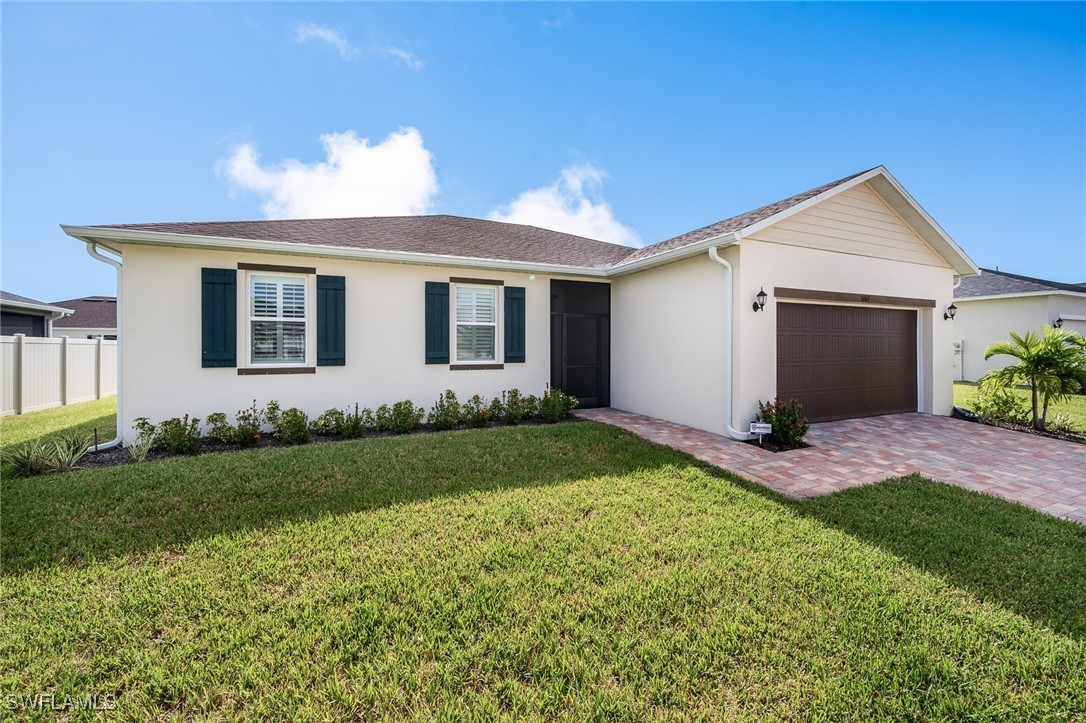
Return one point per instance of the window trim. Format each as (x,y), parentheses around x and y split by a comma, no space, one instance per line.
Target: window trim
(499,323)
(245,319)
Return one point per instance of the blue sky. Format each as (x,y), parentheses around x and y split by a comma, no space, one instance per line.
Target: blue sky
(634,122)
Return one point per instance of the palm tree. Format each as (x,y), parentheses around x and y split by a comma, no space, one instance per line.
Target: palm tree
(1052,364)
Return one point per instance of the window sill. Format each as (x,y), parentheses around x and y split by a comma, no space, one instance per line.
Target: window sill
(253,371)
(471,367)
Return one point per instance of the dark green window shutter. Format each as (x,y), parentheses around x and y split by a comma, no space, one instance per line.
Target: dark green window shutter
(514,324)
(219,314)
(331,321)
(437,322)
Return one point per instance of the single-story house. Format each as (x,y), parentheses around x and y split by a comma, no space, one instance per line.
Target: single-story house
(995,303)
(92,317)
(20,315)
(854,276)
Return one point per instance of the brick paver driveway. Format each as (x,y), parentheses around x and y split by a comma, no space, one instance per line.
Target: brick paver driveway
(1046,474)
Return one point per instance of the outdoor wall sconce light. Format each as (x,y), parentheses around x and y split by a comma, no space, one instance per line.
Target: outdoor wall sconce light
(1058,322)
(951,311)
(760,299)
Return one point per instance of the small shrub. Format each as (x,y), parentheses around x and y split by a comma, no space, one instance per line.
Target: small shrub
(496,410)
(531,406)
(405,417)
(355,424)
(219,429)
(139,449)
(69,449)
(514,407)
(144,428)
(556,405)
(272,412)
(382,418)
(330,421)
(999,404)
(475,412)
(446,412)
(789,424)
(247,431)
(30,459)
(292,426)
(179,435)
(1062,422)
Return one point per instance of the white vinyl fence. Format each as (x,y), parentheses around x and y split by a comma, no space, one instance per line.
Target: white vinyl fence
(39,373)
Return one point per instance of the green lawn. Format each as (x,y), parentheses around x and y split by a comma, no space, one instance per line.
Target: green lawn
(566,572)
(48,423)
(966,392)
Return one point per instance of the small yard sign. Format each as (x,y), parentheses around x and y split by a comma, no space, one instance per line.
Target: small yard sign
(760,428)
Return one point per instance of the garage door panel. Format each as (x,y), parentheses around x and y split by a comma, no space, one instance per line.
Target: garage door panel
(842,361)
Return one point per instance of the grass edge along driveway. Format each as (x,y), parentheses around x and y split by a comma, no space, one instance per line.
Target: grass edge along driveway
(569,572)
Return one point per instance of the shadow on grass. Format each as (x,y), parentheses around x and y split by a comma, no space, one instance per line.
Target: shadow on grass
(1005,553)
(74,519)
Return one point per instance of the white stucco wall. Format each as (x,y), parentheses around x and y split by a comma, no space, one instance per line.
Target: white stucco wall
(769,265)
(983,321)
(385,304)
(667,342)
(668,328)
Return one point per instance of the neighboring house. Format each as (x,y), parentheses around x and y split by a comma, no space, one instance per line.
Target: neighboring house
(20,315)
(994,304)
(328,312)
(92,317)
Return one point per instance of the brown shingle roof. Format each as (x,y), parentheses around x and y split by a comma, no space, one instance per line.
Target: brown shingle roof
(467,237)
(441,235)
(89,312)
(996,283)
(735,223)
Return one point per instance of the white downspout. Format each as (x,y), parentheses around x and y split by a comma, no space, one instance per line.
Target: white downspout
(92,249)
(729,312)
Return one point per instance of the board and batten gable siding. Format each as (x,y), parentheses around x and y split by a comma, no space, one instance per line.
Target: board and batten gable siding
(384,351)
(858,222)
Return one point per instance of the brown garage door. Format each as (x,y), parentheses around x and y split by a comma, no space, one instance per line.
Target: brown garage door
(846,361)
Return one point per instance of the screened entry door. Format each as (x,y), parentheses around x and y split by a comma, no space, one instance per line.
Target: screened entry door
(580,341)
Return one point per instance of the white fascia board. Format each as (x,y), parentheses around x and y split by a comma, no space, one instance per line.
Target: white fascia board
(56,311)
(1057,292)
(104,237)
(695,249)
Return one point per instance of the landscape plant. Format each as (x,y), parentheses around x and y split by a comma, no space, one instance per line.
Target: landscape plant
(292,426)
(446,412)
(475,411)
(786,416)
(556,405)
(355,423)
(29,459)
(405,417)
(139,448)
(69,449)
(1052,364)
(1000,404)
(179,435)
(329,421)
(515,407)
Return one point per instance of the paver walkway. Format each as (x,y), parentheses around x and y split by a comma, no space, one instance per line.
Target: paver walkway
(1045,474)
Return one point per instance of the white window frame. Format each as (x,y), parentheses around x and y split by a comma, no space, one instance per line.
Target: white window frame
(499,324)
(246,318)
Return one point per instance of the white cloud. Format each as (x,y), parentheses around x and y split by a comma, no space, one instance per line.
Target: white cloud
(403,56)
(571,204)
(559,22)
(394,177)
(304,32)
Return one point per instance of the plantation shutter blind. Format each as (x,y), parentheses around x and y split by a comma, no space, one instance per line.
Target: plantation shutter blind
(515,346)
(219,317)
(437,322)
(476,323)
(331,321)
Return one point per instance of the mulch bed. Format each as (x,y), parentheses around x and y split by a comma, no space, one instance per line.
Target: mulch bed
(1050,433)
(119,456)
(774,447)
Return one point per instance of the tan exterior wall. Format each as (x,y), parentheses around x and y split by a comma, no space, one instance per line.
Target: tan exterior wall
(981,322)
(667,342)
(857,222)
(385,304)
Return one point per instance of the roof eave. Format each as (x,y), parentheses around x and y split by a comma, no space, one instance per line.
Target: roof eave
(683,252)
(1018,294)
(113,238)
(48,308)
